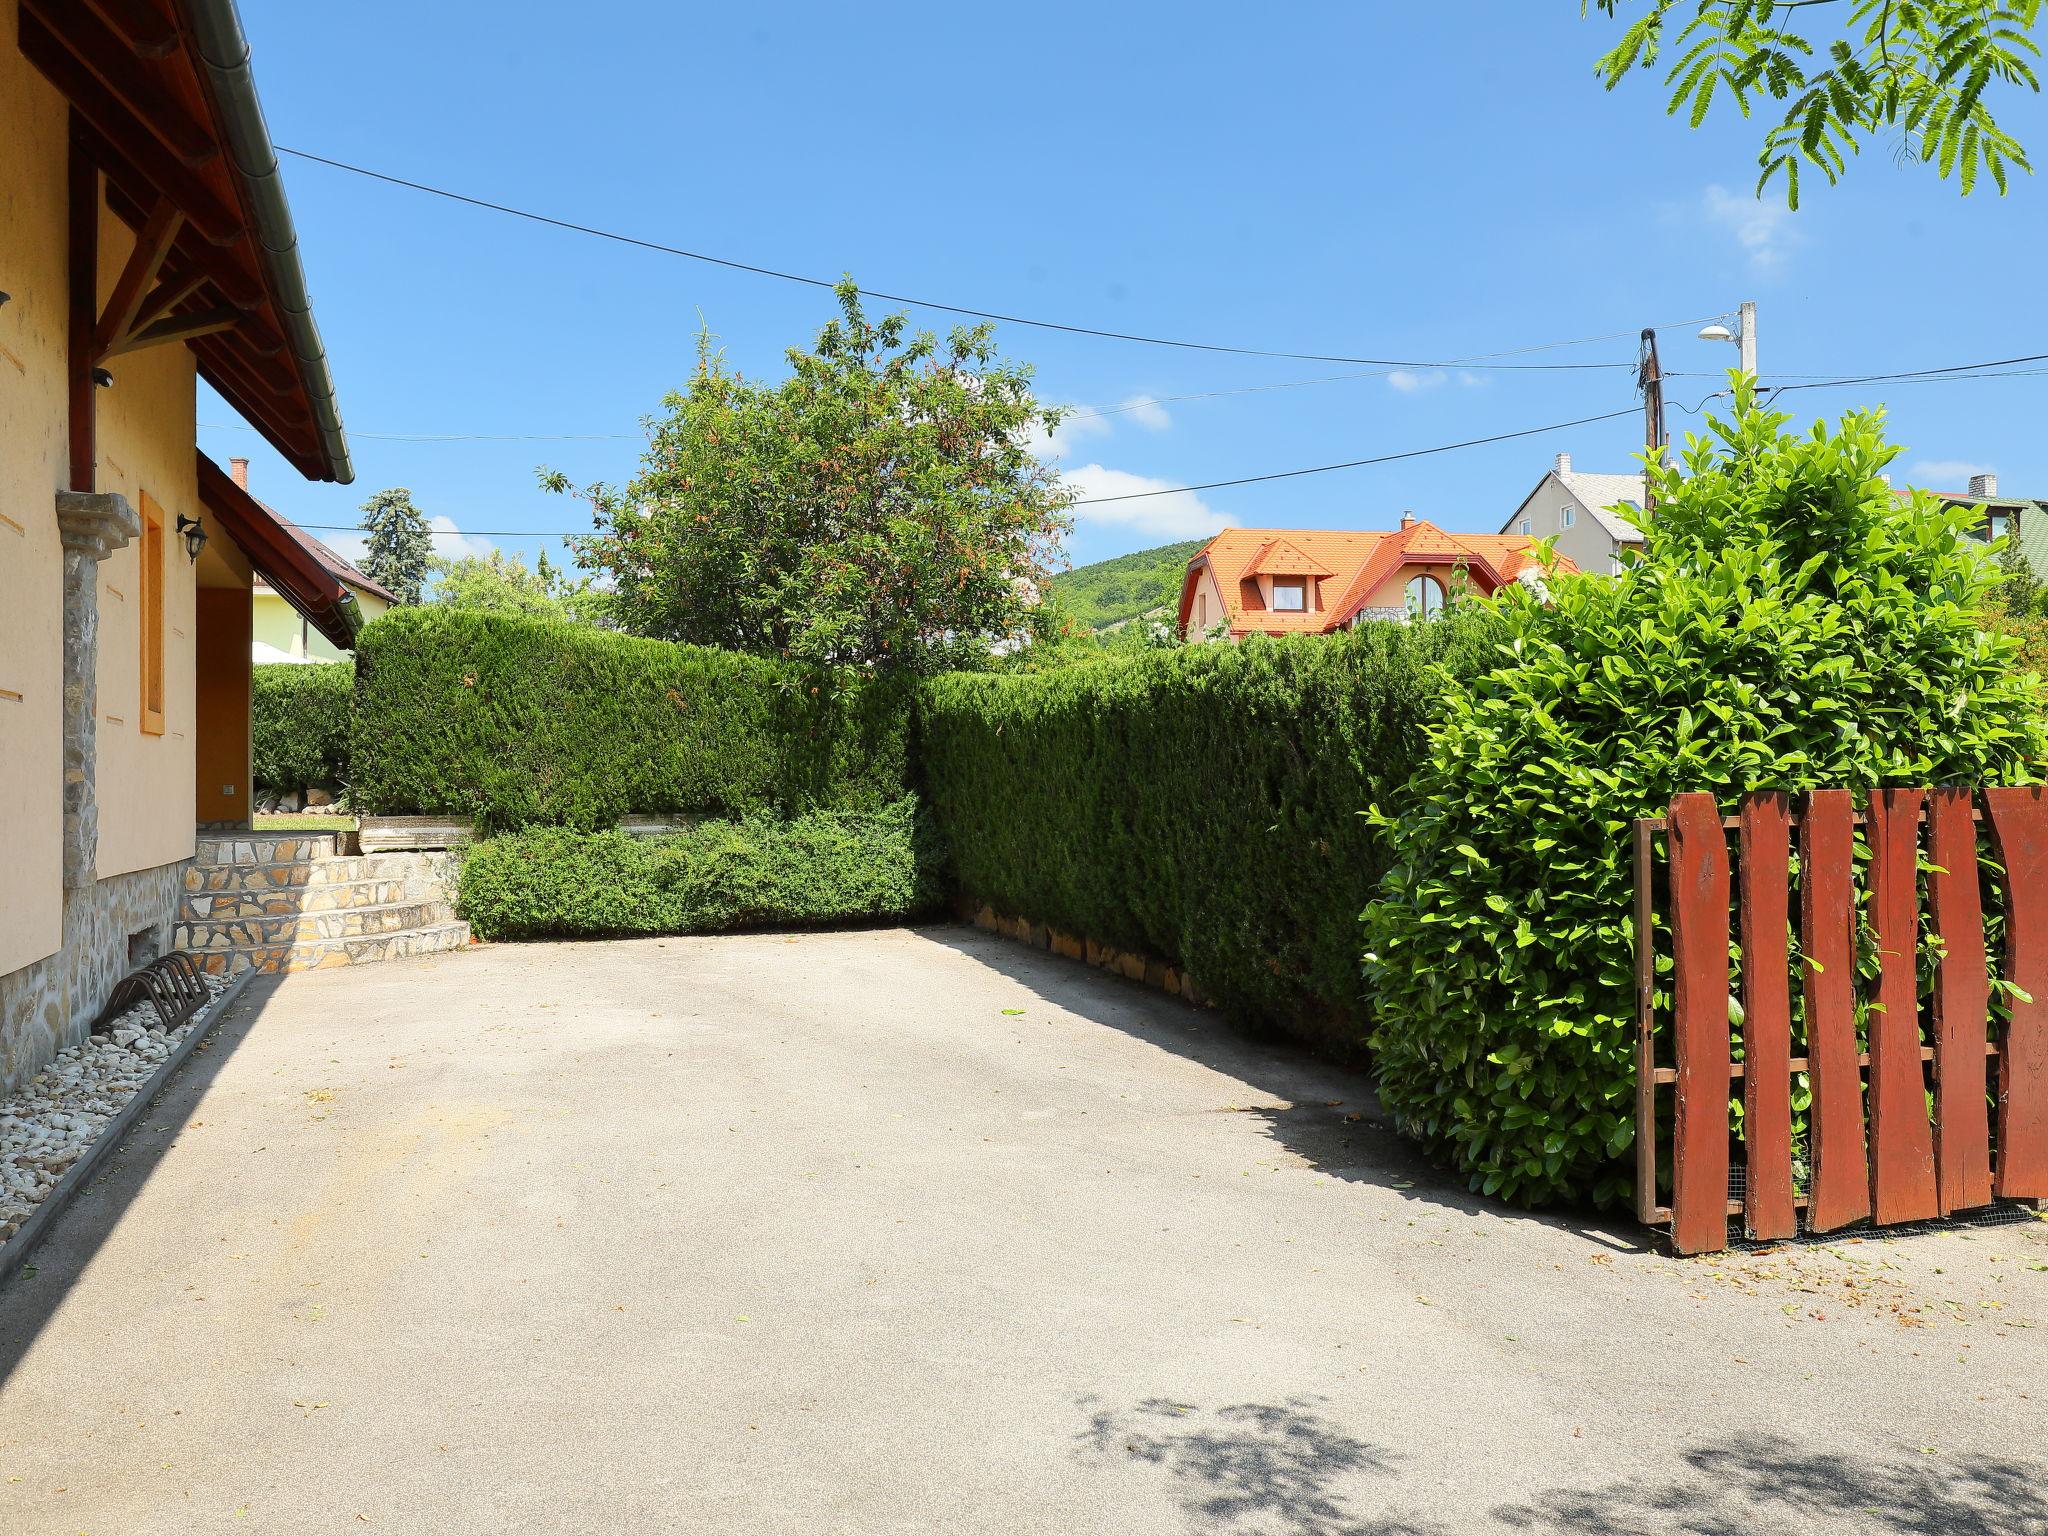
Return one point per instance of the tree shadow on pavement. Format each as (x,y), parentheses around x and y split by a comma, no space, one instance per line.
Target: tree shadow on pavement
(1327,1115)
(1289,1469)
(31,1298)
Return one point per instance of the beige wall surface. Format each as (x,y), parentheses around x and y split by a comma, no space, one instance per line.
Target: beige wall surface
(146,432)
(32,470)
(1206,593)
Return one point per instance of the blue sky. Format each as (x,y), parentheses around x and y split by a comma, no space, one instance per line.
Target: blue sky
(1413,181)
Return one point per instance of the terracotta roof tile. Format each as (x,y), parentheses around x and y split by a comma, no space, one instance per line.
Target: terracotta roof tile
(1351,565)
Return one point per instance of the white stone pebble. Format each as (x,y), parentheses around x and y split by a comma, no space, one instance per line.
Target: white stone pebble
(47,1126)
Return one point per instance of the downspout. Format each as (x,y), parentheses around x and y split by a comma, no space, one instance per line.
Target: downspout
(224,51)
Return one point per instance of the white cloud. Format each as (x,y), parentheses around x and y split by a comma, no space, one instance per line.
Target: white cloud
(451,541)
(1945,474)
(1146,412)
(1177,515)
(1764,229)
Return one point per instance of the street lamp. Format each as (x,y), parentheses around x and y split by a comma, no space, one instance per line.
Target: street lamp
(1743,335)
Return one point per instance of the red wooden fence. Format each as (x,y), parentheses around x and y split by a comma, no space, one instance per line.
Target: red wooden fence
(1875,1150)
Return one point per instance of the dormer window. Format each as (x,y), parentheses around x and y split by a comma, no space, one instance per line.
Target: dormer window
(1290,595)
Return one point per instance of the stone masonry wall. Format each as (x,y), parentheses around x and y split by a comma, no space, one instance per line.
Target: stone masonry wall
(48,1007)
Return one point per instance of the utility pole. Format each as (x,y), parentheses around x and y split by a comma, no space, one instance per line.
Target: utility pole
(1650,380)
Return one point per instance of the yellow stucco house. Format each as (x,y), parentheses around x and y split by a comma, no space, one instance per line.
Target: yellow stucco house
(145,244)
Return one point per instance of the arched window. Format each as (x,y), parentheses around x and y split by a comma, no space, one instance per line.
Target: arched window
(1425,598)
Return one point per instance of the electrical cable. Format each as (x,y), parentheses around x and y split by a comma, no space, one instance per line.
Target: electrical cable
(1480,360)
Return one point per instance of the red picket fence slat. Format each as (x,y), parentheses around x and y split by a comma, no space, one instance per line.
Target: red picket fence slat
(1767,1015)
(1901,1140)
(2019,824)
(1841,1173)
(1699,940)
(1898,1162)
(1962,1006)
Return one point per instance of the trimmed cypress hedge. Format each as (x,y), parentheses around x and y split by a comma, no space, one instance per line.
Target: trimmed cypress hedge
(1201,805)
(845,866)
(299,725)
(524,722)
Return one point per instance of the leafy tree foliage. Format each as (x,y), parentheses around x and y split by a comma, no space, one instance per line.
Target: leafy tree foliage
(498,583)
(1111,591)
(1791,624)
(1928,71)
(880,506)
(401,549)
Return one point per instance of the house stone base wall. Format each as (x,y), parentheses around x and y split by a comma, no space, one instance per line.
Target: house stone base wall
(111,926)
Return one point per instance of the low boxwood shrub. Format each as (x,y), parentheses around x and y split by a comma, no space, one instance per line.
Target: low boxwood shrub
(1791,624)
(1200,804)
(520,721)
(759,871)
(299,721)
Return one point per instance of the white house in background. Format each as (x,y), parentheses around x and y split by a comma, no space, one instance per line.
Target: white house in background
(1592,517)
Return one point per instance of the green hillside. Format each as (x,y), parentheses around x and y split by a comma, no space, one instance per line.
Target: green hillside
(1111,591)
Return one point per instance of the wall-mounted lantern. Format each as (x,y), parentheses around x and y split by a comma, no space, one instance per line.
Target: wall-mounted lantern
(195,535)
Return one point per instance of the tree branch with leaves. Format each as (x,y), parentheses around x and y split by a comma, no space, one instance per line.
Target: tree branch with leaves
(1925,72)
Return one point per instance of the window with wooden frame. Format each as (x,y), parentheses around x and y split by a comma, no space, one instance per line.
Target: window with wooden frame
(151,614)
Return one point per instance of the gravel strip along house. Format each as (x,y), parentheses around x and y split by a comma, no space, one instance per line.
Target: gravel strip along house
(146,245)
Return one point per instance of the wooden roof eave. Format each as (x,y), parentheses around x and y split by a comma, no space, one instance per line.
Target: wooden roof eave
(294,571)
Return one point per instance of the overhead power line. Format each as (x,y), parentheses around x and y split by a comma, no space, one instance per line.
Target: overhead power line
(1096,501)
(1486,360)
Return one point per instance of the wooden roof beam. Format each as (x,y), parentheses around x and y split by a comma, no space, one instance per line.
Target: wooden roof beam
(116,123)
(152,244)
(145,30)
(134,83)
(206,322)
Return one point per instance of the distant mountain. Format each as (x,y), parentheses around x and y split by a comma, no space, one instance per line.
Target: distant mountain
(1111,591)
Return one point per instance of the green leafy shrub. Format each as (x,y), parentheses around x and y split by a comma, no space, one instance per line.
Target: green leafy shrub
(760,871)
(522,722)
(1790,625)
(1200,804)
(299,725)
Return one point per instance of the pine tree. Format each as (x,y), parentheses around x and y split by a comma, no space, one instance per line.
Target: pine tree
(401,547)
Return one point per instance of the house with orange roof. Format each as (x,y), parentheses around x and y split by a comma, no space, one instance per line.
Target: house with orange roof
(1277,581)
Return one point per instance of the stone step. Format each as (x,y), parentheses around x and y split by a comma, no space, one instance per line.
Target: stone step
(228,932)
(424,870)
(199,906)
(226,848)
(325,954)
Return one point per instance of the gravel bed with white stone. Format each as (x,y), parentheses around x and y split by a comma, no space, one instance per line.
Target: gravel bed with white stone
(51,1122)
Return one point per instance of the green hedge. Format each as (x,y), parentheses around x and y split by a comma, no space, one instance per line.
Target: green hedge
(757,872)
(1791,624)
(522,722)
(299,725)
(1201,805)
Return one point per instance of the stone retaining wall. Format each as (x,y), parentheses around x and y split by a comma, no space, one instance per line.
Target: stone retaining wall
(111,926)
(1154,973)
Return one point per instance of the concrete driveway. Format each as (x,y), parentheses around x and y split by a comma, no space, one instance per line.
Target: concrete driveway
(902,1231)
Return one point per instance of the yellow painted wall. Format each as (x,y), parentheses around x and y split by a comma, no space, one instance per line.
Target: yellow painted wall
(146,432)
(1209,601)
(279,624)
(32,469)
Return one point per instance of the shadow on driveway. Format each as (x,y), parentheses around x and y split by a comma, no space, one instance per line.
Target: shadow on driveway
(32,1297)
(1329,1116)
(1285,1469)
